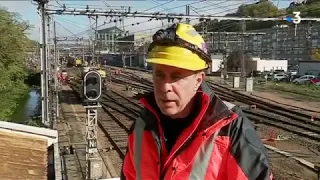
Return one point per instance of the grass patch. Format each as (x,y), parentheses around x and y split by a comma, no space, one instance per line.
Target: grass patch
(310,91)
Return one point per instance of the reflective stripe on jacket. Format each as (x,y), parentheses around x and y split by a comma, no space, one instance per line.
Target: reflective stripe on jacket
(220,144)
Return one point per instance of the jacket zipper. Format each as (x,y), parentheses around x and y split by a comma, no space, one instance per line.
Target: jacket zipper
(188,139)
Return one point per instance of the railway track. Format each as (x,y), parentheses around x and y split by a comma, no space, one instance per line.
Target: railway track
(115,119)
(279,117)
(287,120)
(121,111)
(264,105)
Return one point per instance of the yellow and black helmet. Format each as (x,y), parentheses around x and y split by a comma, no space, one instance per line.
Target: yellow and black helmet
(180,46)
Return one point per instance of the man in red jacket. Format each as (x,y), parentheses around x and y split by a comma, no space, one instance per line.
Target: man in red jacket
(185,132)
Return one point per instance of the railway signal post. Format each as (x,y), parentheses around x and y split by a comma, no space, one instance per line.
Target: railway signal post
(92,90)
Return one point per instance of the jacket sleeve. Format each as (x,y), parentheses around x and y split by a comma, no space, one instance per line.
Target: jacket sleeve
(128,170)
(247,158)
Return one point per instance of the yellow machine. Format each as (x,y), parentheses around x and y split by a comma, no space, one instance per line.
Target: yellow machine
(78,63)
(102,73)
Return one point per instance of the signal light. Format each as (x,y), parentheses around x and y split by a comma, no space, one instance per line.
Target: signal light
(92,88)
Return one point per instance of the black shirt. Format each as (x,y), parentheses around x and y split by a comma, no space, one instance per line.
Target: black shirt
(172,128)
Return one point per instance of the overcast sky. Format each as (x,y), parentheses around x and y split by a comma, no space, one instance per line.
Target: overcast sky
(68,25)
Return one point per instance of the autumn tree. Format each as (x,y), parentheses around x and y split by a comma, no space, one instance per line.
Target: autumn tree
(316,55)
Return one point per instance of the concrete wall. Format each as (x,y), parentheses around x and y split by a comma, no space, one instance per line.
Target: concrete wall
(311,67)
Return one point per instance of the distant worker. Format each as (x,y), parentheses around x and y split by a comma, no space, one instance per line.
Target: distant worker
(185,132)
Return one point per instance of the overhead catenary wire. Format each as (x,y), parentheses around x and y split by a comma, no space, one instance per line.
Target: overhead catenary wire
(177,7)
(65,28)
(138,23)
(223,27)
(248,1)
(84,27)
(160,26)
(147,29)
(147,10)
(127,19)
(217,4)
(94,12)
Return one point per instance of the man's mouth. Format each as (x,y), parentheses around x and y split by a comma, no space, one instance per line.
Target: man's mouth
(167,101)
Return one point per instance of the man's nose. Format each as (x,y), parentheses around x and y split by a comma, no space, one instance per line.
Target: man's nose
(166,86)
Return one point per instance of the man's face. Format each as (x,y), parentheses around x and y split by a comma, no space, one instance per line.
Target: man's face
(174,88)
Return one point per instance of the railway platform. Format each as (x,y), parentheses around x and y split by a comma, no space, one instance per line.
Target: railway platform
(71,136)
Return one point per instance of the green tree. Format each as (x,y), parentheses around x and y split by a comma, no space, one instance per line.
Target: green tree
(259,9)
(262,8)
(309,9)
(234,62)
(13,44)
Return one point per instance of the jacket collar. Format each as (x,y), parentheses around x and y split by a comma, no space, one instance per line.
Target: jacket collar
(217,109)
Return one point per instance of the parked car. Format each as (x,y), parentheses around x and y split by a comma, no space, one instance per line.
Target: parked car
(293,72)
(268,76)
(278,71)
(279,77)
(255,74)
(293,77)
(303,79)
(314,80)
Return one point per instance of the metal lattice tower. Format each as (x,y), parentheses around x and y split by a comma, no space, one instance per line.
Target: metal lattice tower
(93,163)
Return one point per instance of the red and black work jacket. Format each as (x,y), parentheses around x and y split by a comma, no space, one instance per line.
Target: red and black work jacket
(220,144)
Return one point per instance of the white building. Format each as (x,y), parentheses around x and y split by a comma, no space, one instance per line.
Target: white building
(258,64)
(309,67)
(216,62)
(269,64)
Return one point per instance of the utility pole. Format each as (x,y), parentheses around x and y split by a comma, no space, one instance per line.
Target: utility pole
(122,18)
(95,39)
(99,48)
(113,43)
(56,90)
(225,55)
(43,56)
(243,28)
(308,40)
(49,74)
(83,45)
(144,56)
(276,44)
(187,14)
(206,39)
(92,39)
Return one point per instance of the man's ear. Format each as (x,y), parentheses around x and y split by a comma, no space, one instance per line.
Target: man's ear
(199,79)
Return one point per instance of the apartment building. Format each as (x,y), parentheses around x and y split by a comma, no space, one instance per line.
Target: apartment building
(285,42)
(280,42)
(106,39)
